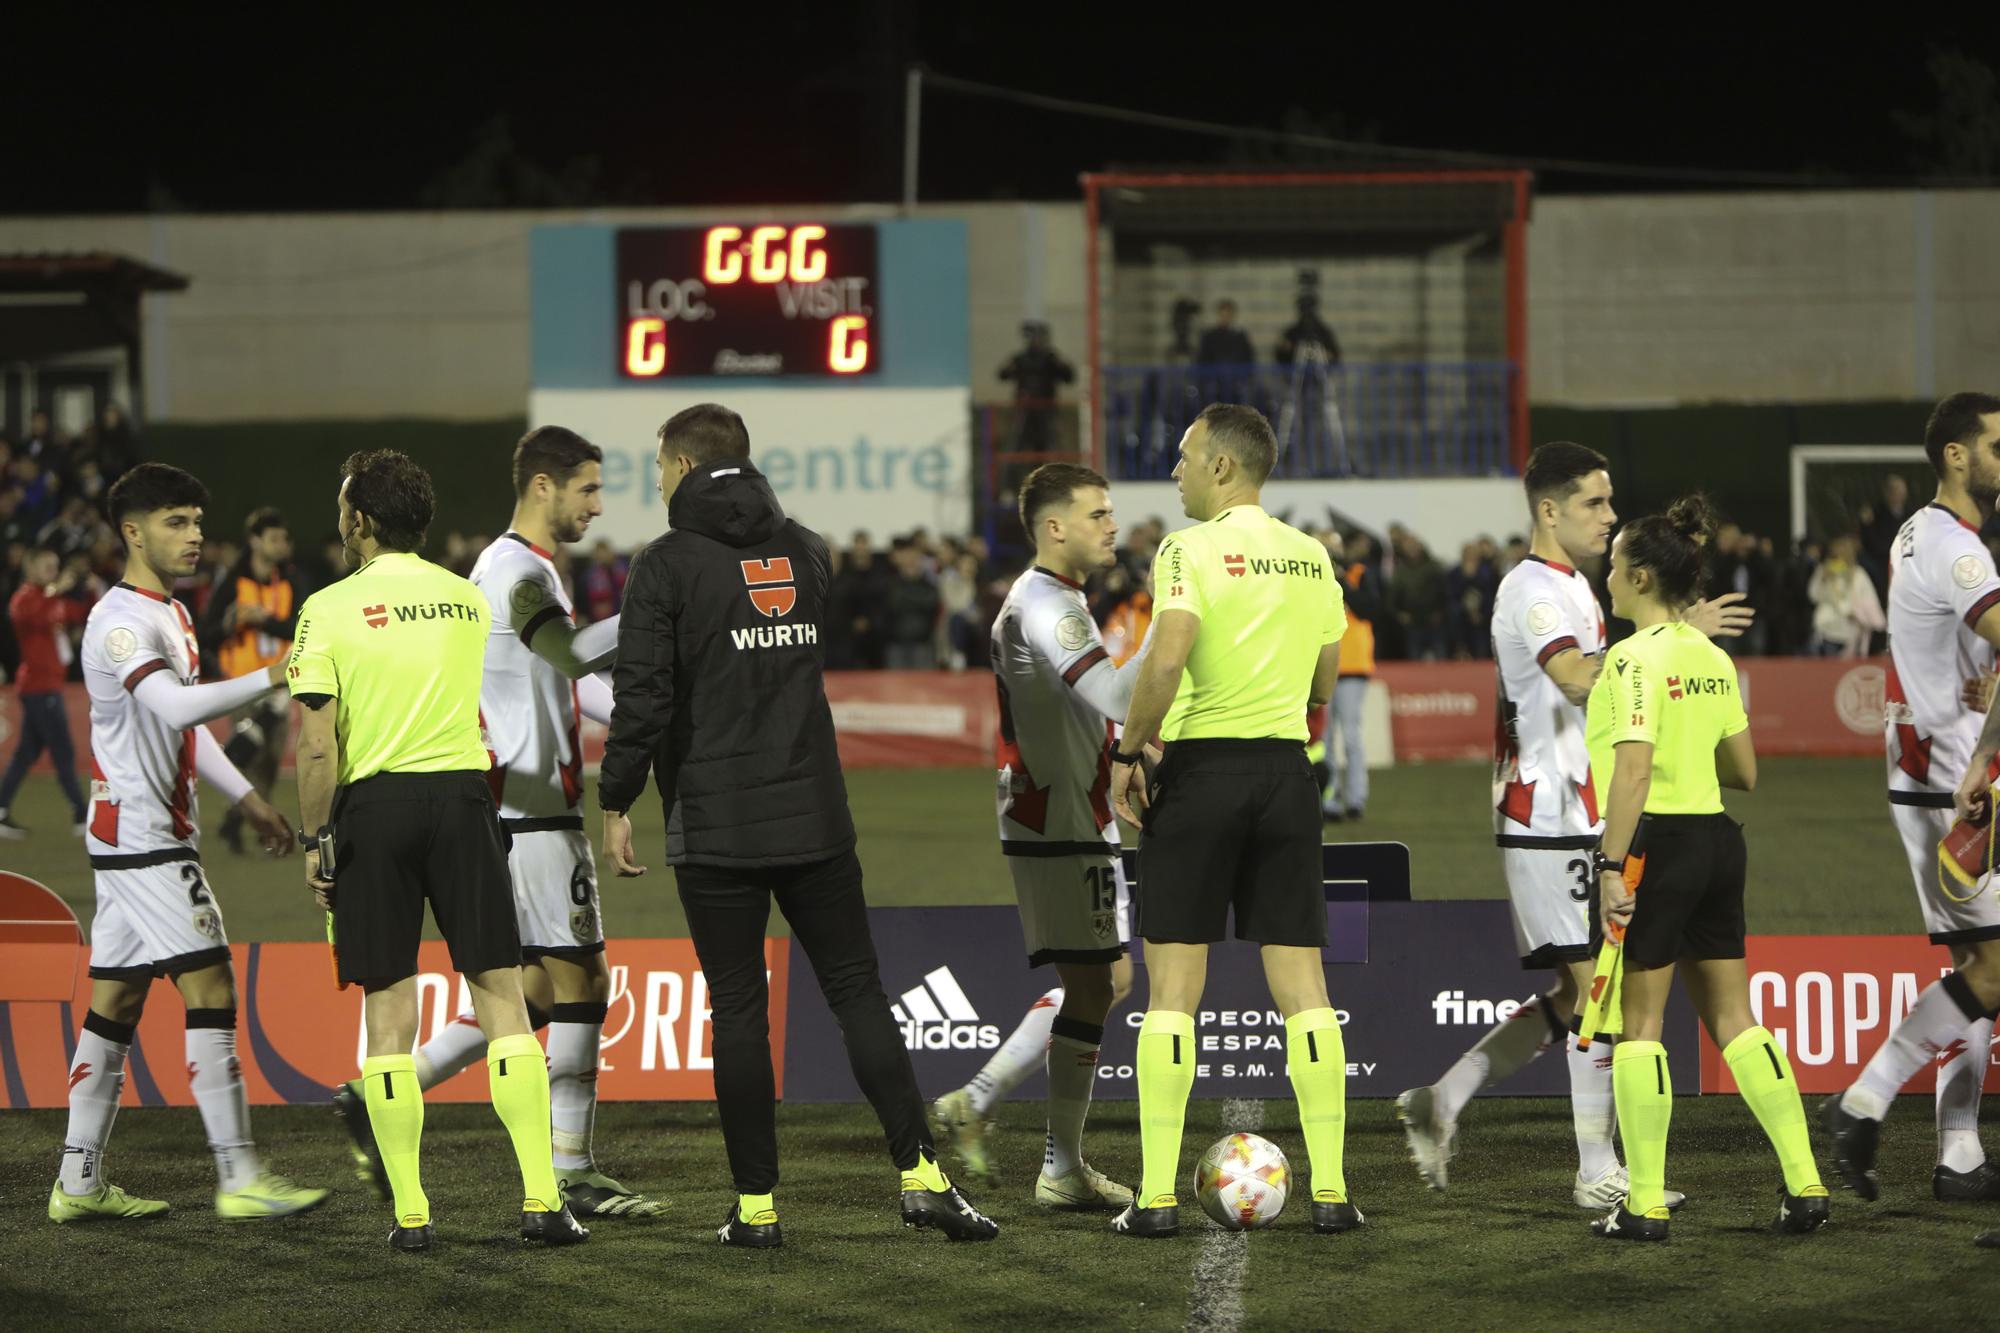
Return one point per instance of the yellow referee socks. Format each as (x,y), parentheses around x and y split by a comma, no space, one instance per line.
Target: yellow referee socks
(1645,1092)
(519,1076)
(1764,1077)
(1166,1077)
(396,1115)
(1318,1059)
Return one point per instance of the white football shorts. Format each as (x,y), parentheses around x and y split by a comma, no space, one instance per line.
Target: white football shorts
(1074,909)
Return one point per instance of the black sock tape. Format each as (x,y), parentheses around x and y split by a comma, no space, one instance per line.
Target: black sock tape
(110,1029)
(538,1018)
(579,1012)
(1077,1030)
(212,1018)
(1961,994)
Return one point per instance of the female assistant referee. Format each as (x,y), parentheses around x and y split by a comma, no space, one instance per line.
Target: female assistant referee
(1666,732)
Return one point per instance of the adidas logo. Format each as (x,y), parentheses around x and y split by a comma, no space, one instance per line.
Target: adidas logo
(936,1016)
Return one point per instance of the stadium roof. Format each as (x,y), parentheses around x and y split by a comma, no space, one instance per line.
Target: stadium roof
(83,270)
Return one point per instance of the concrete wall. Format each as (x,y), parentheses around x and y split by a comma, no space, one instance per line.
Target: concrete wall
(1633,300)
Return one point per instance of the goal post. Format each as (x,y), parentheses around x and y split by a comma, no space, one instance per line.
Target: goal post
(1383,313)
(1830,483)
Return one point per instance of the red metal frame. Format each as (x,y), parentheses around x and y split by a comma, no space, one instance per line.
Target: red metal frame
(1514,239)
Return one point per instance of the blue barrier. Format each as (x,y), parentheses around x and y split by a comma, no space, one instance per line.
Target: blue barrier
(1368,419)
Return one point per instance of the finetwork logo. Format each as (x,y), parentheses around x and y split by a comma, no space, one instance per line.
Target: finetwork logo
(936,1016)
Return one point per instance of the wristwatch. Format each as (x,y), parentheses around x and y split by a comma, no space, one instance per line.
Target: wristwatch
(1603,865)
(1120,757)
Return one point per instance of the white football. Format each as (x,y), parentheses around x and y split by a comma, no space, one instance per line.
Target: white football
(1242,1181)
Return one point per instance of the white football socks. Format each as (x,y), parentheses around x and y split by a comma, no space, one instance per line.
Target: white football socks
(216,1078)
(574,1030)
(1593,1107)
(1024,1051)
(96,1077)
(450,1051)
(1938,1018)
(1506,1048)
(1960,1081)
(1072,1057)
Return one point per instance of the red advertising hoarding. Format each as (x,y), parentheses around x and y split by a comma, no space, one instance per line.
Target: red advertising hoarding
(297,1035)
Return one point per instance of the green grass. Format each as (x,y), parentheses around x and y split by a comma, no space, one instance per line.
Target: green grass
(1504,1248)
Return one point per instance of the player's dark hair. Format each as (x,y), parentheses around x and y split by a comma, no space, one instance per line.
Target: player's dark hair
(1050,485)
(706,433)
(555,452)
(262,521)
(1673,547)
(1956,421)
(1556,469)
(151,487)
(395,494)
(1244,434)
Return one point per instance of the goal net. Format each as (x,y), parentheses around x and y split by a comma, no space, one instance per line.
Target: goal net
(1378,318)
(1834,487)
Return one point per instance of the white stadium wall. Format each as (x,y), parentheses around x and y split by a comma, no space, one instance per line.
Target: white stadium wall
(1633,300)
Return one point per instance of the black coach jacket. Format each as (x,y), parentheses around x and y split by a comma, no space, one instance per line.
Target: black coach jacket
(718,684)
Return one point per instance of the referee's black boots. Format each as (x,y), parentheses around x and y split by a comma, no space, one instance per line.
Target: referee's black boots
(948,1211)
(557,1228)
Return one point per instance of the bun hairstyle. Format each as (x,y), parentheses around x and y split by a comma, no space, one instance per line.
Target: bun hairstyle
(1674,547)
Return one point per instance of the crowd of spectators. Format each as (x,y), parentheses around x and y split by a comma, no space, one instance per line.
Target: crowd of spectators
(926,601)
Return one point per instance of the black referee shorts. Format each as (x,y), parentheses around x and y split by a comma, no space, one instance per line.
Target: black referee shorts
(403,838)
(1233,824)
(1690,898)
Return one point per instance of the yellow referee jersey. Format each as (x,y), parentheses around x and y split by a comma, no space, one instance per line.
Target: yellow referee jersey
(400,643)
(1670,686)
(1268,601)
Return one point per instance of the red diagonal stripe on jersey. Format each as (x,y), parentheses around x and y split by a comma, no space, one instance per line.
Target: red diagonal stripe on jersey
(1083,664)
(778,569)
(1554,646)
(1587,789)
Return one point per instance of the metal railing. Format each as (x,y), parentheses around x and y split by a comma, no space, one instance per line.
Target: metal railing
(1364,419)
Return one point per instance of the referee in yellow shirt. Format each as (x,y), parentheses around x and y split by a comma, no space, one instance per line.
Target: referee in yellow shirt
(1248,610)
(1666,731)
(386,665)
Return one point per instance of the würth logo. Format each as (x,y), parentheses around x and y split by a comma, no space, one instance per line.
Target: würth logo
(763,576)
(378,615)
(1234,565)
(937,1016)
(1673,687)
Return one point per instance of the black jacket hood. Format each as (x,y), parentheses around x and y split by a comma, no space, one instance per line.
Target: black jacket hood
(729,500)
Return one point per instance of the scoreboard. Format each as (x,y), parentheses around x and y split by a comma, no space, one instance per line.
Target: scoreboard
(794,301)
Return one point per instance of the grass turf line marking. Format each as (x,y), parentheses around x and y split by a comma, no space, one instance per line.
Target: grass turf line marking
(1215,1301)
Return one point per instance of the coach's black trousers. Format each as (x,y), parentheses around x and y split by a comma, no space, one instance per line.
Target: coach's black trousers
(727,911)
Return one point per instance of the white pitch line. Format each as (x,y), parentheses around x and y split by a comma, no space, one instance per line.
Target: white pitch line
(1215,1300)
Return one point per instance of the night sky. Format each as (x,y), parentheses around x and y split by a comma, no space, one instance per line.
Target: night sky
(777,103)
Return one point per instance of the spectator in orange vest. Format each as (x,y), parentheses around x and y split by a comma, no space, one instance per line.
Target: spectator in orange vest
(251,615)
(1347,795)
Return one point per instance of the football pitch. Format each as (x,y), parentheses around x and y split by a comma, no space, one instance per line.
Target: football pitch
(1506,1246)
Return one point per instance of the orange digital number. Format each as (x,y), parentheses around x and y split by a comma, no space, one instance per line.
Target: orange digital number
(722,263)
(767,254)
(847,345)
(646,347)
(808,259)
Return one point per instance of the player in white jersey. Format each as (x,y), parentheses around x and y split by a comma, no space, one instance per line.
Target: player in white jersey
(1060,701)
(540,682)
(1548,645)
(1944,626)
(156,916)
